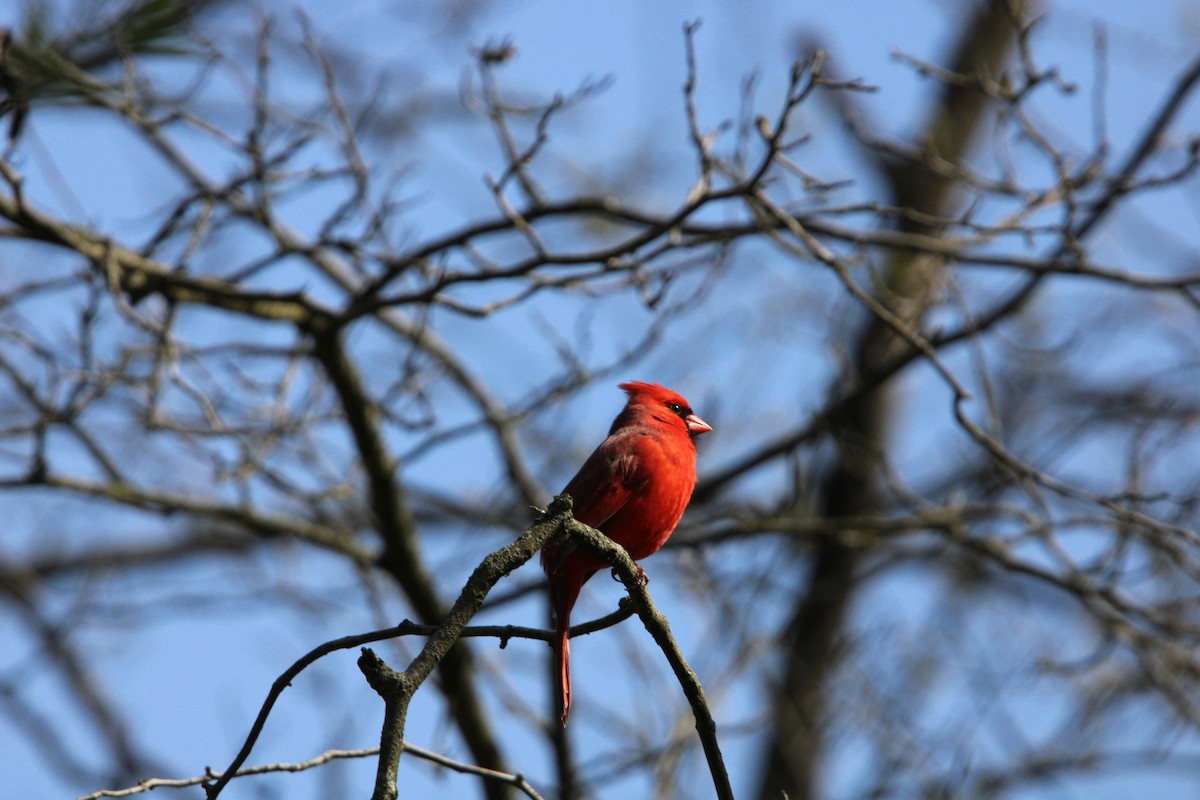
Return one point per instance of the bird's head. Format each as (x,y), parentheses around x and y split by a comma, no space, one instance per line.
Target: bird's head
(660,403)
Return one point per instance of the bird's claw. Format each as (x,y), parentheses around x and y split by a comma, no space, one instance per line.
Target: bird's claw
(642,578)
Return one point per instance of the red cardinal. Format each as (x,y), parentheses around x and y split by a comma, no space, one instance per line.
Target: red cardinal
(634,488)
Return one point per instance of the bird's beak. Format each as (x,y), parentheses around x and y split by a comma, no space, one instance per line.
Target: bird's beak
(696,426)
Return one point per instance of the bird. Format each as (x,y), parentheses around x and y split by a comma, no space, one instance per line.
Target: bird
(633,488)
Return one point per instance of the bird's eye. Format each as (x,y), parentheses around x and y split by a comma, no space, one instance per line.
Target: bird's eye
(676,408)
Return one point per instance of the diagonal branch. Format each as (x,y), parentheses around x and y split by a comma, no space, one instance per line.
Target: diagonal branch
(599,545)
(401,556)
(397,688)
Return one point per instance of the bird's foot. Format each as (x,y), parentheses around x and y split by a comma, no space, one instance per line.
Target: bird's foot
(642,577)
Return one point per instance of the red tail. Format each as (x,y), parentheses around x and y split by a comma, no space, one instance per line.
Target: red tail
(562,656)
(564,589)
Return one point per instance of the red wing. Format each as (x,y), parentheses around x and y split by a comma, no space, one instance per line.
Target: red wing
(605,482)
